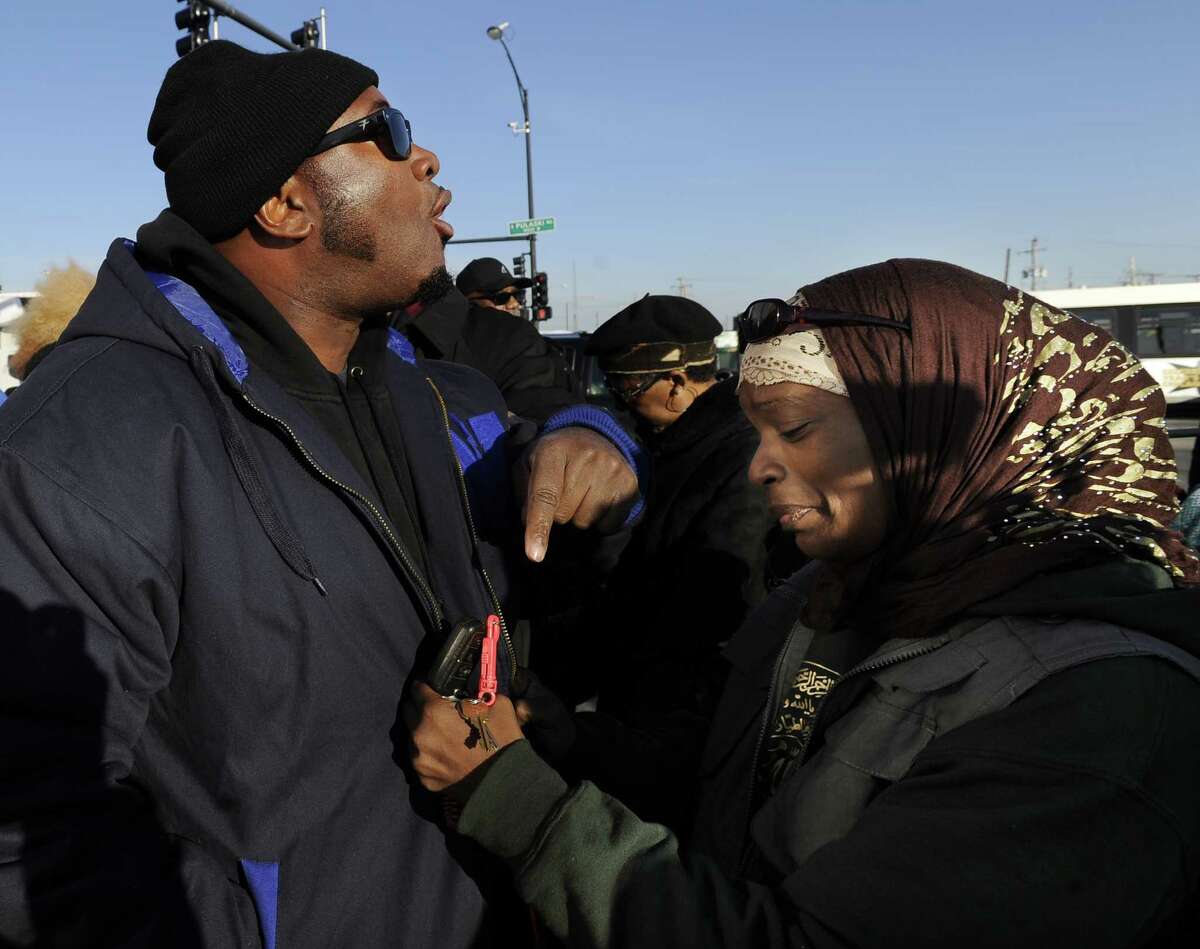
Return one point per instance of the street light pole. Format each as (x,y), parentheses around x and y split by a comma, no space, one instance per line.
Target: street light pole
(497,33)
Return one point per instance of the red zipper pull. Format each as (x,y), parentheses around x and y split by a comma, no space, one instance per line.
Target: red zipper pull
(488,683)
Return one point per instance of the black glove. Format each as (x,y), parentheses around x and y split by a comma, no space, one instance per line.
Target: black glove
(545,720)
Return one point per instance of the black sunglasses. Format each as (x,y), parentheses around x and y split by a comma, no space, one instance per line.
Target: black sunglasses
(501,297)
(630,394)
(763,319)
(397,144)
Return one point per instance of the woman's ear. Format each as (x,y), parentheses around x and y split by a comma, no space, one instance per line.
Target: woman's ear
(680,397)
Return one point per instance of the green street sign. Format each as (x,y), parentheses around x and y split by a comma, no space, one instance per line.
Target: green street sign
(520,228)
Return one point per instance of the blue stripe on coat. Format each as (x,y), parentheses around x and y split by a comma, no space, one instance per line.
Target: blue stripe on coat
(263,880)
(401,346)
(480,450)
(191,307)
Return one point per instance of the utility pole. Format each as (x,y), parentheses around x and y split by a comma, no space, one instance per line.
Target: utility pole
(1033,271)
(1007,261)
(574,294)
(682,288)
(1135,277)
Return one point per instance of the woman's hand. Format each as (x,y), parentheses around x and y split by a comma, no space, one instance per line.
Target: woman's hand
(544,719)
(445,748)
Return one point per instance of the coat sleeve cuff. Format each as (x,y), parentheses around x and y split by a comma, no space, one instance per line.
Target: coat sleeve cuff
(512,802)
(599,421)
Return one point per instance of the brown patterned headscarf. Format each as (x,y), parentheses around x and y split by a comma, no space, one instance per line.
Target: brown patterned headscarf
(1015,440)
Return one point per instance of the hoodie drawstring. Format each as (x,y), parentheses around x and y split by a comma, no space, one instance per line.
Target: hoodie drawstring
(280,534)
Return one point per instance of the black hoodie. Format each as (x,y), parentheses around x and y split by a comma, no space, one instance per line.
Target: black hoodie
(352,407)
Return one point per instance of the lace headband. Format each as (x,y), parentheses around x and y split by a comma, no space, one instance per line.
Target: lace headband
(795,357)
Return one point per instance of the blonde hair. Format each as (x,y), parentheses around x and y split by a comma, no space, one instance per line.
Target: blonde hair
(61,293)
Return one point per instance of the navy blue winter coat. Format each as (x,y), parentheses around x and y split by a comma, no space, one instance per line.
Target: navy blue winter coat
(206,627)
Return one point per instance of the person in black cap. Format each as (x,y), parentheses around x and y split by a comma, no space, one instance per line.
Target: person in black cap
(485,281)
(237,515)
(473,325)
(691,572)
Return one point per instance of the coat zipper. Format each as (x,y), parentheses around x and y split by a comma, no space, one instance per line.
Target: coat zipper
(867,665)
(429,601)
(772,696)
(466,503)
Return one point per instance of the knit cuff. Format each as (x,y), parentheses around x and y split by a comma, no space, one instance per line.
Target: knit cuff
(599,421)
(512,802)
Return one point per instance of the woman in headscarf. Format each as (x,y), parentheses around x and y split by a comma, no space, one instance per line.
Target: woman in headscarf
(975,719)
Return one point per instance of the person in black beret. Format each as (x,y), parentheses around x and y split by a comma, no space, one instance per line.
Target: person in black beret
(238,518)
(693,569)
(658,356)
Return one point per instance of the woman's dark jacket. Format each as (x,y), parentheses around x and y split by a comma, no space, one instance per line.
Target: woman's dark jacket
(1026,778)
(692,571)
(207,622)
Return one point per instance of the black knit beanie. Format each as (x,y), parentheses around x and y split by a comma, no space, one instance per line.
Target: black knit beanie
(230,125)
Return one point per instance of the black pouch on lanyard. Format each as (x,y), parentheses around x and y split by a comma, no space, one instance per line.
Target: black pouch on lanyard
(450,673)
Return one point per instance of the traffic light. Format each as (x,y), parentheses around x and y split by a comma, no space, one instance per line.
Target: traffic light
(308,36)
(519,265)
(541,298)
(195,18)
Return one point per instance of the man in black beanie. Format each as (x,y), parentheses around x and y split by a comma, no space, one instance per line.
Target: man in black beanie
(237,516)
(693,569)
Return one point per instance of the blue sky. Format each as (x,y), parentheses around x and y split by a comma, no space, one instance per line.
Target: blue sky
(747,147)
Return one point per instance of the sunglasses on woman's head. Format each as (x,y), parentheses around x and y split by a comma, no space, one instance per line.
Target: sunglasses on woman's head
(763,319)
(396,144)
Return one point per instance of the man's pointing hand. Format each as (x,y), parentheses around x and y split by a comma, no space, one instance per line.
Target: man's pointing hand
(574,476)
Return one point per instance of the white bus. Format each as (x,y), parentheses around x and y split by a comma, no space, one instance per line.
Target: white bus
(1160,323)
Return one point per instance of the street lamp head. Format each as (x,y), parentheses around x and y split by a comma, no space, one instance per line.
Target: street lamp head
(497,32)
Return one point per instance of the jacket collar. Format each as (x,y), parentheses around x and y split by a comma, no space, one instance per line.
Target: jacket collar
(708,417)
(440,326)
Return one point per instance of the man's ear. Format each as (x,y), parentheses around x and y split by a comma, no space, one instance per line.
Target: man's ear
(288,215)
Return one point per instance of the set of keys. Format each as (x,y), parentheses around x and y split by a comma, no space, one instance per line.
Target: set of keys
(477,722)
(477,717)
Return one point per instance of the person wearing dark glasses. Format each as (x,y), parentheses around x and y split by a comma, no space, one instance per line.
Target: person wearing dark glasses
(485,281)
(691,572)
(473,324)
(973,719)
(238,515)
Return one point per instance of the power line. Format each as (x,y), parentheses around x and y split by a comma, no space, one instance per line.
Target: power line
(1137,244)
